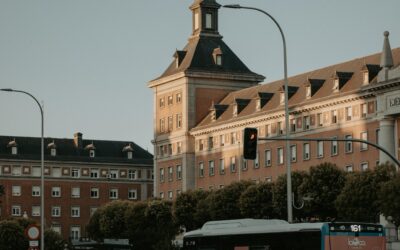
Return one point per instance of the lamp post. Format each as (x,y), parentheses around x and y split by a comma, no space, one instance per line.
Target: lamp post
(42,164)
(287,147)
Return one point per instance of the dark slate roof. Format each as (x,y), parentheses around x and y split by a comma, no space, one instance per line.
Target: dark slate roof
(105,151)
(199,57)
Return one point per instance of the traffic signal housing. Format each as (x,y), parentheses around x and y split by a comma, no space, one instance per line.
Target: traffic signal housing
(250,143)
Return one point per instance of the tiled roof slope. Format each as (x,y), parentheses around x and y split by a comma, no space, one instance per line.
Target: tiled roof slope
(106,151)
(355,66)
(199,57)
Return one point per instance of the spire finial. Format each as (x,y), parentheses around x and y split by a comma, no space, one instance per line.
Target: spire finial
(386,57)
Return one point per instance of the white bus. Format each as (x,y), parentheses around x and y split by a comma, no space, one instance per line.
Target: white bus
(257,234)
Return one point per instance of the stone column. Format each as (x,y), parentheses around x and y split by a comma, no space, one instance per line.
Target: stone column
(387,139)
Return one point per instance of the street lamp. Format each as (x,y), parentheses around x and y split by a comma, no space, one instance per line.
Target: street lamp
(42,165)
(288,167)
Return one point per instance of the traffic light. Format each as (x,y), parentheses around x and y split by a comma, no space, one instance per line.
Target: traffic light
(250,144)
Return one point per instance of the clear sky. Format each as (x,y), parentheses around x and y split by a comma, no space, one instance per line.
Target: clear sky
(89,61)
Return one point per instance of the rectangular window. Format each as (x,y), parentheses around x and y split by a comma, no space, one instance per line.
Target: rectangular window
(162,103)
(221,166)
(162,125)
(349,144)
(268,130)
(56,191)
(279,128)
(94,173)
(293,153)
(293,125)
(170,174)
(170,123)
(132,194)
(170,195)
(222,140)
(75,233)
(334,116)
(16,210)
(364,136)
(334,147)
(233,164)
(364,110)
(306,122)
(35,191)
(113,194)
(179,172)
(320,149)
(210,143)
(233,138)
(306,151)
(132,174)
(256,161)
(75,173)
(268,161)
(55,211)
(113,174)
(320,120)
(170,100)
(201,169)
(178,98)
(161,175)
(211,168)
(16,190)
(280,155)
(201,144)
(35,211)
(349,168)
(349,113)
(364,166)
(178,120)
(94,192)
(75,192)
(75,211)
(208,21)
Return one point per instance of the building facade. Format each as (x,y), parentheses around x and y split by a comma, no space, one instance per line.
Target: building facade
(79,176)
(207,96)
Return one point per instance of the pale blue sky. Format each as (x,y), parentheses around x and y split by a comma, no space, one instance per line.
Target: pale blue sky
(89,61)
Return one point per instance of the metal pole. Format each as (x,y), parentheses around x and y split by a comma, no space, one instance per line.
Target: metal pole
(42,164)
(287,146)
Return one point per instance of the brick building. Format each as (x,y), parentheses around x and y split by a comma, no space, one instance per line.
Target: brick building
(80,176)
(207,96)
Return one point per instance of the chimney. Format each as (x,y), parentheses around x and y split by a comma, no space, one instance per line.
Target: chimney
(78,140)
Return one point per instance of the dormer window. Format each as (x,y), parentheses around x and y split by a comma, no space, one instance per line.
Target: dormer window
(129,151)
(14,147)
(209,24)
(53,148)
(53,152)
(217,55)
(14,150)
(235,110)
(335,84)
(92,150)
(308,91)
(282,98)
(365,77)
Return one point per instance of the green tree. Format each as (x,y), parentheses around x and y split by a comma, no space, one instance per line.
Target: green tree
(12,236)
(323,184)
(151,225)
(112,220)
(389,199)
(357,201)
(185,207)
(257,201)
(93,227)
(53,240)
(280,195)
(224,203)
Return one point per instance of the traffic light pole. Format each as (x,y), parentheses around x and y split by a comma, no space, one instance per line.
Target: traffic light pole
(395,160)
